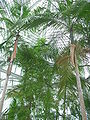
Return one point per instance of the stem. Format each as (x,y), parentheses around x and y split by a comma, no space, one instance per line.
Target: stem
(71,34)
(64,104)
(3,93)
(80,93)
(5,86)
(7,75)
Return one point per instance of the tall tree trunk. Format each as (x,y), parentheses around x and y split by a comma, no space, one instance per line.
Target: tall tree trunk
(8,73)
(80,93)
(3,93)
(74,63)
(64,111)
(5,86)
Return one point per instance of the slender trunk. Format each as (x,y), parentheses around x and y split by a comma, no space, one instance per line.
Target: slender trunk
(64,117)
(8,73)
(80,93)
(71,34)
(74,62)
(5,86)
(3,93)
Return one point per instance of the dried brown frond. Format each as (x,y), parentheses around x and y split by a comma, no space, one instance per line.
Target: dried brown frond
(61,59)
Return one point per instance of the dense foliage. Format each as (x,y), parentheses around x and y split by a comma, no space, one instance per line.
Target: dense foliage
(48,88)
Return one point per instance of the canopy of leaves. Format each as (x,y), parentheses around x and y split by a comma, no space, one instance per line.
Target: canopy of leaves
(47,89)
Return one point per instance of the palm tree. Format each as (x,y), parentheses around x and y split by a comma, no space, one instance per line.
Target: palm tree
(41,82)
(64,17)
(70,20)
(10,32)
